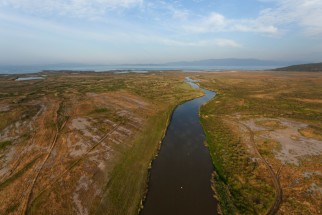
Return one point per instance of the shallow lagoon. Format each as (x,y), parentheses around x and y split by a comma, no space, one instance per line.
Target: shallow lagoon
(29,78)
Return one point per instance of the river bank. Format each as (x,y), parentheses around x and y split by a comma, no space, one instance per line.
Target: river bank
(180,179)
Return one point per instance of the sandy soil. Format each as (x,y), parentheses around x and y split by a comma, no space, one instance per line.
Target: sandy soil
(293,146)
(294,157)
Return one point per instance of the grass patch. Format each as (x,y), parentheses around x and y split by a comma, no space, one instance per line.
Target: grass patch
(36,203)
(4,144)
(234,170)
(12,208)
(312,132)
(100,110)
(17,175)
(273,124)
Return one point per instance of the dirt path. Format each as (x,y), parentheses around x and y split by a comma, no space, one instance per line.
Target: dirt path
(29,196)
(275,176)
(25,150)
(77,161)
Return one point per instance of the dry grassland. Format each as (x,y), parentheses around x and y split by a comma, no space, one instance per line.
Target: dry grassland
(264,132)
(82,143)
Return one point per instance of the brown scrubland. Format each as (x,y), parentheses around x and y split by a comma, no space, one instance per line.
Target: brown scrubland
(264,133)
(82,142)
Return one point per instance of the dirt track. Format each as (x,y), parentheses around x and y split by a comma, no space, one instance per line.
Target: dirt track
(29,196)
(275,176)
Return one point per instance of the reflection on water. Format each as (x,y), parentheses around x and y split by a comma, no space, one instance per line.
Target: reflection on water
(192,82)
(130,71)
(29,78)
(180,175)
(122,72)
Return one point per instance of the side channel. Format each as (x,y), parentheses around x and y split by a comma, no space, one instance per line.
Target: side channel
(180,178)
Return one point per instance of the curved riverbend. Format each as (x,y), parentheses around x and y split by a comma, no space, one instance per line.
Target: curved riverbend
(180,178)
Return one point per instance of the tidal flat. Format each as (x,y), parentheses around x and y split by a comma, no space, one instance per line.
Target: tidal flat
(83,143)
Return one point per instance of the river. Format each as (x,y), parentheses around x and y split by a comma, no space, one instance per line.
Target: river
(180,178)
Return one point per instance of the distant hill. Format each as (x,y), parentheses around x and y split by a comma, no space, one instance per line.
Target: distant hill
(231,62)
(311,67)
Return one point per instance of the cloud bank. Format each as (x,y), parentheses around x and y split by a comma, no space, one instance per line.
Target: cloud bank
(306,14)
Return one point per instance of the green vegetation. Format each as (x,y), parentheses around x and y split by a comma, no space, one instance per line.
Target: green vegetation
(11,209)
(128,182)
(100,110)
(234,170)
(312,132)
(18,174)
(311,67)
(236,184)
(4,144)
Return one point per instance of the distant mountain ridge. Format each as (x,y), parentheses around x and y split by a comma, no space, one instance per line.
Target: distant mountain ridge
(233,62)
(310,67)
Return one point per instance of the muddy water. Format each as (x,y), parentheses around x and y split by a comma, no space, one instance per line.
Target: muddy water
(180,175)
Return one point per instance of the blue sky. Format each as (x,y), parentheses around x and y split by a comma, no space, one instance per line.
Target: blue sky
(146,31)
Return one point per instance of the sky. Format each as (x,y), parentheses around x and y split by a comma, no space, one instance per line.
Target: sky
(155,31)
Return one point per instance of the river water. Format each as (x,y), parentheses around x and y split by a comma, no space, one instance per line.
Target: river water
(180,178)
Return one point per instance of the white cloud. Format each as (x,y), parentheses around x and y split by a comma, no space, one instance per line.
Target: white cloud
(227,43)
(203,43)
(216,22)
(42,25)
(306,14)
(181,14)
(71,7)
(164,8)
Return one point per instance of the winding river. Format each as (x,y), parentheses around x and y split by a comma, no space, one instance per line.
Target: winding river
(180,176)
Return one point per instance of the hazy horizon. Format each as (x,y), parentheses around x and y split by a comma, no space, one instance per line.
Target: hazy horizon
(153,32)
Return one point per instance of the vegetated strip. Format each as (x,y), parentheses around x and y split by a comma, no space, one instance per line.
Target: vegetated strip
(4,144)
(18,174)
(127,185)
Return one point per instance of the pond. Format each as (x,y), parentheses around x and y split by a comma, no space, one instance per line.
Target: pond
(29,78)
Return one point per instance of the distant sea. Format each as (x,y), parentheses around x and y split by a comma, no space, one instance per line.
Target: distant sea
(101,68)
